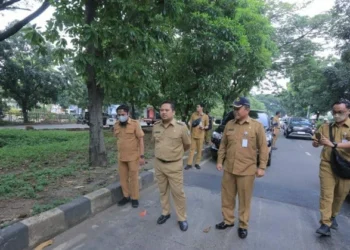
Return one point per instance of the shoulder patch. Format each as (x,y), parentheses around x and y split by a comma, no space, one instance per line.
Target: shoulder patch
(180,123)
(157,122)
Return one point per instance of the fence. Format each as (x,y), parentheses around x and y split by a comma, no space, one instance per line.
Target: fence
(39,117)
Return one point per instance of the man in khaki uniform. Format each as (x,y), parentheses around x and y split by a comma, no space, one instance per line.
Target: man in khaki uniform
(241,140)
(171,140)
(198,123)
(333,188)
(276,129)
(130,154)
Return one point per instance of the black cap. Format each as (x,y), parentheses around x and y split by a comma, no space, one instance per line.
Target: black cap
(241,101)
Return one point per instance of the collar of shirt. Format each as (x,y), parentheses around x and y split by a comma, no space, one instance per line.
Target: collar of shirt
(347,123)
(171,123)
(248,120)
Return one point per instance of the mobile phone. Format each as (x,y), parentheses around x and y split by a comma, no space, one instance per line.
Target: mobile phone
(318,135)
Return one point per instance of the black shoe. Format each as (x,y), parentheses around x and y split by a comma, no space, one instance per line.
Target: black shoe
(242,233)
(134,203)
(163,218)
(183,225)
(222,226)
(123,201)
(334,223)
(197,166)
(324,230)
(188,167)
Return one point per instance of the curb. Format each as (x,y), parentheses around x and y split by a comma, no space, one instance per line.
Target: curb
(32,231)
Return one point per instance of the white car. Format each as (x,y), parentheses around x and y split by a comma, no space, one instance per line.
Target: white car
(111,121)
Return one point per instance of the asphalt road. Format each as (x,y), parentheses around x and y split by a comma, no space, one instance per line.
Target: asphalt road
(284,213)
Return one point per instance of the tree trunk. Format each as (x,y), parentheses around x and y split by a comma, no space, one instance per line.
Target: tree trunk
(133,110)
(97,149)
(25,114)
(186,114)
(226,101)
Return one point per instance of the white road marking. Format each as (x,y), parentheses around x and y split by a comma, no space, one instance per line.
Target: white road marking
(204,162)
(308,153)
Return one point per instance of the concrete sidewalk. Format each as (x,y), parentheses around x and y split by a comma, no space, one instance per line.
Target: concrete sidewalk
(273,225)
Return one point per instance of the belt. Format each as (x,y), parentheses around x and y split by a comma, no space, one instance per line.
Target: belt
(164,161)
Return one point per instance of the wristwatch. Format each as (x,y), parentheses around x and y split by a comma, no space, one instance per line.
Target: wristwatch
(142,156)
(335,145)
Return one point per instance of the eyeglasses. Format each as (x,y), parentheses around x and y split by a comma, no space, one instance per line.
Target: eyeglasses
(338,112)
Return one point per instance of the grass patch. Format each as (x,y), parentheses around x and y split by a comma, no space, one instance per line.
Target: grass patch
(39,208)
(32,160)
(48,168)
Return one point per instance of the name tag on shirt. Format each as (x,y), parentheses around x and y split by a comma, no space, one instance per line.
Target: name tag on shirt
(244,143)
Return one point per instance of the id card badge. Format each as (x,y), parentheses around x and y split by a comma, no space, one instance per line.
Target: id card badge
(344,140)
(244,143)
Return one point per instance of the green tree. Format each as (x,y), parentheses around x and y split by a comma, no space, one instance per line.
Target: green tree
(74,92)
(27,77)
(101,33)
(223,48)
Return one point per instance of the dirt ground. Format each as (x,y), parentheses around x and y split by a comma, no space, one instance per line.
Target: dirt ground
(66,189)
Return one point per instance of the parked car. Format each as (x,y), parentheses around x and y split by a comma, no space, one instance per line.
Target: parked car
(261,116)
(111,121)
(105,116)
(299,127)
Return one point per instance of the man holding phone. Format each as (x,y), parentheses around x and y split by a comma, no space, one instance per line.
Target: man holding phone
(333,189)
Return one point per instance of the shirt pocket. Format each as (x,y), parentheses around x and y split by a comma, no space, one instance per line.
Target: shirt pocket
(252,143)
(176,140)
(230,134)
(117,132)
(156,137)
(129,131)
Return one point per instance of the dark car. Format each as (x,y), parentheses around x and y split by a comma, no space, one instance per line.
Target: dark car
(258,115)
(299,127)
(105,116)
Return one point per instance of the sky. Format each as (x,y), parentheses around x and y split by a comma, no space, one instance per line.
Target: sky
(316,7)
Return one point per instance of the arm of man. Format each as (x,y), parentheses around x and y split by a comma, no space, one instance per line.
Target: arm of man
(140,135)
(316,141)
(262,146)
(190,122)
(186,139)
(344,145)
(222,148)
(206,122)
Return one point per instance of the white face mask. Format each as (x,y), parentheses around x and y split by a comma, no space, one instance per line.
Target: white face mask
(339,117)
(123,118)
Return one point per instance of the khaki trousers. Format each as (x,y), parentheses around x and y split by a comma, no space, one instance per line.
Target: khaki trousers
(207,136)
(129,178)
(332,194)
(196,146)
(232,185)
(274,139)
(170,180)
